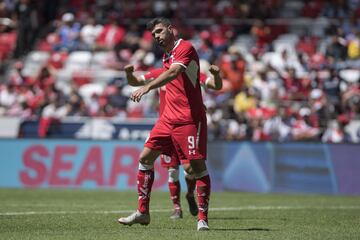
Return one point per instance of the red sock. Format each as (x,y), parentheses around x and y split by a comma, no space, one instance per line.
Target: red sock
(203,186)
(191,184)
(175,189)
(145,179)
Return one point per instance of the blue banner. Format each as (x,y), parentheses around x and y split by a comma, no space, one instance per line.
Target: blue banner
(71,163)
(89,128)
(234,166)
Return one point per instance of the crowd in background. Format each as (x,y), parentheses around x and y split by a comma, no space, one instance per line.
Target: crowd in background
(282,80)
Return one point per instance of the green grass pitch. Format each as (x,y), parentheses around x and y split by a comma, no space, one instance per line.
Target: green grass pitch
(92,214)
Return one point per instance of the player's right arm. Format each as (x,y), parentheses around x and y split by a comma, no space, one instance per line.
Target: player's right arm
(165,77)
(131,78)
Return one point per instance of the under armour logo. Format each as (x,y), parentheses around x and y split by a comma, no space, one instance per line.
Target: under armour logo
(192,152)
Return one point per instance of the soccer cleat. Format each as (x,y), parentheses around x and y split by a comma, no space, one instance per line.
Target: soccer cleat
(177,214)
(135,218)
(193,208)
(202,226)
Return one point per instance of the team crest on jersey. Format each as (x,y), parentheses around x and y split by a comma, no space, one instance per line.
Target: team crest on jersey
(168,58)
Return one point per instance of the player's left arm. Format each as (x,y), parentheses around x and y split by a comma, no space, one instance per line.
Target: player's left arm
(216,81)
(131,78)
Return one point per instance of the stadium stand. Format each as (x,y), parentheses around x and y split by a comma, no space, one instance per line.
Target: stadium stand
(290,68)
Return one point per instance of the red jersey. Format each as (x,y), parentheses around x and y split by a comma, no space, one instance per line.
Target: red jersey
(184,102)
(154,73)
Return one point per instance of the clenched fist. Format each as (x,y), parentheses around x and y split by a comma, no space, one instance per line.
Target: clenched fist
(129,68)
(214,70)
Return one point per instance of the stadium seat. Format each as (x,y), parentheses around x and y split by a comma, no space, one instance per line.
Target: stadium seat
(7,44)
(78,60)
(105,75)
(350,75)
(87,90)
(34,62)
(291,9)
(81,77)
(245,41)
(99,60)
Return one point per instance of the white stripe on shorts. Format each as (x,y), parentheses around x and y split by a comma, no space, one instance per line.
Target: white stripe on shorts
(198,136)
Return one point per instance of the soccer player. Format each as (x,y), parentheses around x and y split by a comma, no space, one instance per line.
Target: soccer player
(182,124)
(172,162)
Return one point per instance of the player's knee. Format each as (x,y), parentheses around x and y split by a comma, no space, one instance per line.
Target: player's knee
(199,175)
(173,175)
(148,157)
(189,176)
(187,169)
(144,160)
(145,163)
(145,167)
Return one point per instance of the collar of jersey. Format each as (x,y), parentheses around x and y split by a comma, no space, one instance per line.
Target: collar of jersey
(175,46)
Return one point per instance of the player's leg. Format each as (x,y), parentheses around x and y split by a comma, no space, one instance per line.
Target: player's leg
(175,189)
(145,180)
(203,189)
(191,184)
(190,142)
(171,163)
(159,141)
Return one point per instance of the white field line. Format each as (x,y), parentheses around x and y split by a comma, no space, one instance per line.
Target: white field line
(168,210)
(51,205)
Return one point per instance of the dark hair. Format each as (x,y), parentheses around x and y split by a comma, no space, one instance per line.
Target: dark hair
(164,21)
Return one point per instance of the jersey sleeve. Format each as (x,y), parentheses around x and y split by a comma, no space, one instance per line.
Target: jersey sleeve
(152,74)
(184,55)
(204,79)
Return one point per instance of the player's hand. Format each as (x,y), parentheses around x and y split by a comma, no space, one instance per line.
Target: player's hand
(136,96)
(214,70)
(129,68)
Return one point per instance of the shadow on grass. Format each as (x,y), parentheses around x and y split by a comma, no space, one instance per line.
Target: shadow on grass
(243,218)
(136,228)
(242,229)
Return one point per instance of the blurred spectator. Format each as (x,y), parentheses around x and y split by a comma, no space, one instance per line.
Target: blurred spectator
(205,50)
(69,33)
(16,76)
(278,127)
(353,50)
(89,33)
(111,35)
(76,104)
(257,132)
(5,11)
(283,80)
(51,114)
(93,105)
(244,100)
(57,59)
(334,133)
(336,49)
(350,99)
(7,95)
(336,9)
(331,87)
(220,34)
(27,19)
(286,62)
(261,33)
(233,68)
(302,129)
